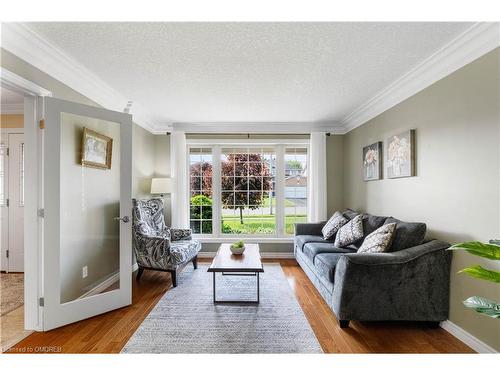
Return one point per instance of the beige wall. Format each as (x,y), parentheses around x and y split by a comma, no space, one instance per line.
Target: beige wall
(457,187)
(11,121)
(143,161)
(335,171)
(162,168)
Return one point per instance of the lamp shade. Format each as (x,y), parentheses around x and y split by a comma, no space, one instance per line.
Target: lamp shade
(161,185)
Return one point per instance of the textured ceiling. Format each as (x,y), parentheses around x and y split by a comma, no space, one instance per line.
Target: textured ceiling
(262,72)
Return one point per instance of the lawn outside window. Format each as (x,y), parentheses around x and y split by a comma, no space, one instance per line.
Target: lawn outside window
(247,190)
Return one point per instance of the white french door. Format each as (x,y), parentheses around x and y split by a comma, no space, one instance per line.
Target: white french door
(86,213)
(12,201)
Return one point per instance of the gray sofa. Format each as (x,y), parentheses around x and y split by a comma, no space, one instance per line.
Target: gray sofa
(410,282)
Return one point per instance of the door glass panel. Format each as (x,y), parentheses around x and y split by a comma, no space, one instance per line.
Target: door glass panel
(90,200)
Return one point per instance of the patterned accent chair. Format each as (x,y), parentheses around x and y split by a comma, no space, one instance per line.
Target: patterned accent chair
(156,246)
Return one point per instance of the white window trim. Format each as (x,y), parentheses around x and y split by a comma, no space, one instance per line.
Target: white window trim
(215,144)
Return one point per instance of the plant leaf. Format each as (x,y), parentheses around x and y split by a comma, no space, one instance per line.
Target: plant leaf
(483,306)
(479,272)
(484,250)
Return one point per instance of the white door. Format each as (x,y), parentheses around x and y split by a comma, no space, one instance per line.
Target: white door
(4,186)
(12,201)
(16,202)
(87,238)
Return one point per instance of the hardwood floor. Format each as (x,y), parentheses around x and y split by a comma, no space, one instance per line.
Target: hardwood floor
(108,333)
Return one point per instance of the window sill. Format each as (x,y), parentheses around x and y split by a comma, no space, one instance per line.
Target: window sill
(246,239)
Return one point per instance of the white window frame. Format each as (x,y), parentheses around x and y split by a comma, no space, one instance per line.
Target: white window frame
(215,145)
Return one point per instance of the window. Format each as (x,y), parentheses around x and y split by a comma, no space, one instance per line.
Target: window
(247,190)
(295,188)
(200,176)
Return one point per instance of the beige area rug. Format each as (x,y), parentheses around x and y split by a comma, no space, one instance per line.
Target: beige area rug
(11,292)
(185,320)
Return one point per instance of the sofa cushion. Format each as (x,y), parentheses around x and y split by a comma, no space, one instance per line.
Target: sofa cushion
(350,233)
(302,239)
(325,265)
(380,240)
(350,214)
(407,234)
(312,249)
(370,224)
(333,225)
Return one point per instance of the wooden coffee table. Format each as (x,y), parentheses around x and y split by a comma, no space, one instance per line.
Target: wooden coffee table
(246,264)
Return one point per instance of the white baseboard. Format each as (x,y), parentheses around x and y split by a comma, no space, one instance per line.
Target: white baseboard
(101,287)
(264,255)
(106,283)
(467,338)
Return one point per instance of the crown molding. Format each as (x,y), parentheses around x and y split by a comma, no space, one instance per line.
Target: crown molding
(259,127)
(12,109)
(476,41)
(22,41)
(20,85)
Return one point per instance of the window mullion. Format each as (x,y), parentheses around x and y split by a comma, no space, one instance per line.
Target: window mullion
(280,191)
(216,191)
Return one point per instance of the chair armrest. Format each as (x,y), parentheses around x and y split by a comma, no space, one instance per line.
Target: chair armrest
(309,228)
(181,234)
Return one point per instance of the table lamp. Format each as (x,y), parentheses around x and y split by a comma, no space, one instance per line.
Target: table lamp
(161,186)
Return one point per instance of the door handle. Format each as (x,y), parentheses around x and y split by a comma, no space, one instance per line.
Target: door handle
(125,219)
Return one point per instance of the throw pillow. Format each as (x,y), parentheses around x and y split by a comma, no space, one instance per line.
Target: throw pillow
(350,232)
(380,240)
(333,225)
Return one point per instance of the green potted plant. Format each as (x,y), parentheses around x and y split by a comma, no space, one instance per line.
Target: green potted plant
(489,251)
(237,247)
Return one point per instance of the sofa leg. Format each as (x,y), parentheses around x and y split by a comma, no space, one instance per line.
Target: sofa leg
(344,323)
(139,273)
(195,262)
(173,274)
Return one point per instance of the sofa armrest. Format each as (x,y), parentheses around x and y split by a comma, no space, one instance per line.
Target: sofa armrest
(313,229)
(411,284)
(181,234)
(397,257)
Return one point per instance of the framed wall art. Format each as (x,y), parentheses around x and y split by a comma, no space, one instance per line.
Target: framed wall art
(97,149)
(372,162)
(400,160)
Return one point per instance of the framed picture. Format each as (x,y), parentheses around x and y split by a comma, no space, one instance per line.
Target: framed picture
(372,162)
(400,160)
(96,150)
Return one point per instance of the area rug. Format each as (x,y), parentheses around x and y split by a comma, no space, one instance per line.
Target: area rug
(11,292)
(186,320)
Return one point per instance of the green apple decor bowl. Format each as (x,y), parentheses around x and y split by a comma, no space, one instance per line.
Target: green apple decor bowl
(237,248)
